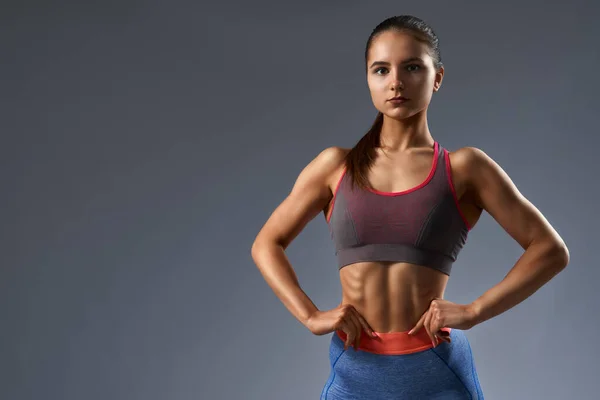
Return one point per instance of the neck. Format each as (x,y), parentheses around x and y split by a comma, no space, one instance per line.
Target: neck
(399,135)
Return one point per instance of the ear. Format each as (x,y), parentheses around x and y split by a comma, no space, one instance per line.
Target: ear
(439,77)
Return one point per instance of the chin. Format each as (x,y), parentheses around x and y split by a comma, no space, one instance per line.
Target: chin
(400,113)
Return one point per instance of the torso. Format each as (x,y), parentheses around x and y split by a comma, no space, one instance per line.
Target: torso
(392,296)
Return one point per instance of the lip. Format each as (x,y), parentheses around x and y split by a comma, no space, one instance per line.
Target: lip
(398,99)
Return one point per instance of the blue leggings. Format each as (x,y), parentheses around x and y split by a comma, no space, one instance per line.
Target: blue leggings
(446,372)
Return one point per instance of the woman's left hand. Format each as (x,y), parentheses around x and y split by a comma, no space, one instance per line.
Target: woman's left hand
(444,314)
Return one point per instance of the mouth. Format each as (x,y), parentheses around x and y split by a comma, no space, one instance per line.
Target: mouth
(398,99)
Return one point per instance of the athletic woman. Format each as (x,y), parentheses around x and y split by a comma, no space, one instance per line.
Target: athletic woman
(399,207)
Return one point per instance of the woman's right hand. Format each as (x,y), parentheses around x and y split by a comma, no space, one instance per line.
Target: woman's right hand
(345,318)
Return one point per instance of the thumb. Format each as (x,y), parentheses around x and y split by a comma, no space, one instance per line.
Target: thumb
(418,326)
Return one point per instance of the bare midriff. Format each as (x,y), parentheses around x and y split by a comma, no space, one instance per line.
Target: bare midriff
(391,296)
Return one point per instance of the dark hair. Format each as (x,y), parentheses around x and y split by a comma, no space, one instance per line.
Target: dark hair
(362,155)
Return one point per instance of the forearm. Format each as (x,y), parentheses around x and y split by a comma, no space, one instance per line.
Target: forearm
(277,271)
(540,263)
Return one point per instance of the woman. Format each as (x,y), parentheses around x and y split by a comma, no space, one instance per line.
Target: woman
(399,207)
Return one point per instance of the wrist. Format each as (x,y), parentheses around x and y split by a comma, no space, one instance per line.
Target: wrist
(474,310)
(309,320)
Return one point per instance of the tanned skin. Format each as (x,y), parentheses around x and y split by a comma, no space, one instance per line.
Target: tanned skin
(397,296)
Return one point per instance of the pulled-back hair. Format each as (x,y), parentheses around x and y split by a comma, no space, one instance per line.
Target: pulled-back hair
(361,157)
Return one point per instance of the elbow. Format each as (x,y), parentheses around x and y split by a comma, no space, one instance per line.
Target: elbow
(554,251)
(566,255)
(264,241)
(255,249)
(561,252)
(258,247)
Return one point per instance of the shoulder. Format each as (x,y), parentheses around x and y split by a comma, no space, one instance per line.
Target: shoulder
(473,171)
(483,175)
(331,162)
(323,169)
(471,162)
(332,156)
(469,157)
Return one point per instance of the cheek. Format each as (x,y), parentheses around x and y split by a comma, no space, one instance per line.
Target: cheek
(429,81)
(376,87)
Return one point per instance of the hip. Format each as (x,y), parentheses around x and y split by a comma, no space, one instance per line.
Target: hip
(402,367)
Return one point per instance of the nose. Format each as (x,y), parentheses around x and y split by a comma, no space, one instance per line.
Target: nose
(396,83)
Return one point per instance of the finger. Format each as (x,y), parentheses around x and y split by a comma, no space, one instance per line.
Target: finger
(444,335)
(435,326)
(419,324)
(353,326)
(346,327)
(444,338)
(365,325)
(348,341)
(357,328)
(362,324)
(436,331)
(427,325)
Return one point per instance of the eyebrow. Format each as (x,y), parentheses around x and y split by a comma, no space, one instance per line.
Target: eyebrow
(385,63)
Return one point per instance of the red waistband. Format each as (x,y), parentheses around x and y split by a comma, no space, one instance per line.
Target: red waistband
(394,342)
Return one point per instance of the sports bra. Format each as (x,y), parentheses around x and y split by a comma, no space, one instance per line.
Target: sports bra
(423,225)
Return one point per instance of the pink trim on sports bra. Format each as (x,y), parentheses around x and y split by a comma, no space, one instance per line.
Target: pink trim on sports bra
(425,182)
(335,194)
(449,174)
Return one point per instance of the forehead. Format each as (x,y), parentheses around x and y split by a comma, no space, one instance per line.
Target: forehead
(395,46)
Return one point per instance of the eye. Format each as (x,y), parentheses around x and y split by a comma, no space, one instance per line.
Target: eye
(417,67)
(379,69)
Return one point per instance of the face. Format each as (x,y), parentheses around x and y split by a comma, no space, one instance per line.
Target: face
(400,65)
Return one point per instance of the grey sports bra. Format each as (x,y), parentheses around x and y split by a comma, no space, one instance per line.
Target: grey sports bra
(422,225)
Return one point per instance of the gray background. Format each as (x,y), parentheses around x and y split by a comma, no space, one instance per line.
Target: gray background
(144,144)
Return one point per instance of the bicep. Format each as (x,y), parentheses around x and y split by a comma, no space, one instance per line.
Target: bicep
(496,193)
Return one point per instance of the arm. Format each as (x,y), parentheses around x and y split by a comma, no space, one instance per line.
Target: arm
(309,196)
(545,252)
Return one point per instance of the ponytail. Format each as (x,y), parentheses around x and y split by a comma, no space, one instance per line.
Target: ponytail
(361,157)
